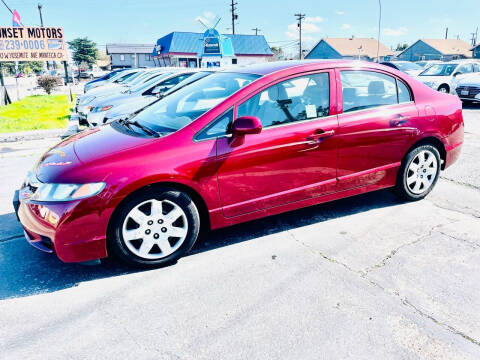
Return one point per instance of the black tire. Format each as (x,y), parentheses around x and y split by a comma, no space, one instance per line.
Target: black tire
(444,87)
(402,189)
(117,244)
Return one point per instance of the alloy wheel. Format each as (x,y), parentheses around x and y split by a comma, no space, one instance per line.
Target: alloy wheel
(155,229)
(421,172)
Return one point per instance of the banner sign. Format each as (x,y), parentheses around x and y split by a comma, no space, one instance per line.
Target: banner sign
(32,44)
(211,45)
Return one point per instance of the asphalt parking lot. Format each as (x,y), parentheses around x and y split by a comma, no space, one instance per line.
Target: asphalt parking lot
(361,278)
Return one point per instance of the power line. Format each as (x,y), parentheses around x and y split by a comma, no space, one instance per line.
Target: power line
(300,17)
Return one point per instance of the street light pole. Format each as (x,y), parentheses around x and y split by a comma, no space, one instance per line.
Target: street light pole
(40,12)
(300,17)
(379,28)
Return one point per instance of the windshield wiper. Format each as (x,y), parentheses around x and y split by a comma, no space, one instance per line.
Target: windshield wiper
(144,128)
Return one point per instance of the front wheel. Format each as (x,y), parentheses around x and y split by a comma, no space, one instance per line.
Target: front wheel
(155,227)
(418,173)
(443,89)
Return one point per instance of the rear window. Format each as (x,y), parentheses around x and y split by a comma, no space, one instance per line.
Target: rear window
(369,89)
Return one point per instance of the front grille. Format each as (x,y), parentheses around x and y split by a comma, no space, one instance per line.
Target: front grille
(472,91)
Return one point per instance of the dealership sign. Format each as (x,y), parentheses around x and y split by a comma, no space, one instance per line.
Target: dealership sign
(32,44)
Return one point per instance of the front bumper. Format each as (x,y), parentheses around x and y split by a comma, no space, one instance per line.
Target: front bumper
(75,231)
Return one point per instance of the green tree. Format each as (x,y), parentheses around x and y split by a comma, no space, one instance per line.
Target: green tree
(84,51)
(401,47)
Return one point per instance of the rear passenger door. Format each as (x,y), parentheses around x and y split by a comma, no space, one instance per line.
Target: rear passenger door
(376,113)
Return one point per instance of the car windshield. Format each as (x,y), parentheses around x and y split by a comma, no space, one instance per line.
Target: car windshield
(188,103)
(129,77)
(119,75)
(150,82)
(143,78)
(440,70)
(405,66)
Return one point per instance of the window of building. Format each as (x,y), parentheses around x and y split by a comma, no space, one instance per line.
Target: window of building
(367,89)
(301,98)
(122,57)
(234,61)
(148,57)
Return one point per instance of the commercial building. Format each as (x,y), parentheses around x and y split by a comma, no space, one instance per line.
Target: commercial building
(350,48)
(130,55)
(210,49)
(437,49)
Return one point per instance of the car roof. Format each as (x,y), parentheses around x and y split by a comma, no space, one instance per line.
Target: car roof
(276,66)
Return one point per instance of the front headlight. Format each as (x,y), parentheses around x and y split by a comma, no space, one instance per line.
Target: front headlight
(101,108)
(66,192)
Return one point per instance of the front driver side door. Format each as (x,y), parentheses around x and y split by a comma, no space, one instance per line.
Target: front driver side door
(293,158)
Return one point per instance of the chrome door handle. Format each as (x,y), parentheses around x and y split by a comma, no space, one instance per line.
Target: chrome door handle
(320,134)
(399,120)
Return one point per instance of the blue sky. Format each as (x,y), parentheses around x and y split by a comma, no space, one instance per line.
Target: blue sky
(143,21)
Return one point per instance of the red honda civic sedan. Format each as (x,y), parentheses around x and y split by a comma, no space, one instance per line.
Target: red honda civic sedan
(235,146)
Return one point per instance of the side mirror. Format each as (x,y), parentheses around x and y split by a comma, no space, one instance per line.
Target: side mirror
(246,125)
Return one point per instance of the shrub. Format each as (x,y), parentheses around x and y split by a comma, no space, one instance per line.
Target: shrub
(48,82)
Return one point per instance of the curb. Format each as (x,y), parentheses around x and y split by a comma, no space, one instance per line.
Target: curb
(41,134)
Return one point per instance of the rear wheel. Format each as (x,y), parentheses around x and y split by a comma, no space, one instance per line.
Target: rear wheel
(418,173)
(155,227)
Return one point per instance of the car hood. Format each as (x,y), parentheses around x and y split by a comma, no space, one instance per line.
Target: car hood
(413,72)
(134,104)
(434,79)
(115,99)
(67,161)
(105,89)
(469,80)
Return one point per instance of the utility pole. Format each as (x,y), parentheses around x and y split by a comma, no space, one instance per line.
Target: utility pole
(234,16)
(300,17)
(40,12)
(256,30)
(446,33)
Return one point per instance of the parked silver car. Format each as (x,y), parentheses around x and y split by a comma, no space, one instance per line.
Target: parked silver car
(468,88)
(137,104)
(141,94)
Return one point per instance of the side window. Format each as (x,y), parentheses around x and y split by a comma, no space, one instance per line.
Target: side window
(367,89)
(217,128)
(403,93)
(465,69)
(302,98)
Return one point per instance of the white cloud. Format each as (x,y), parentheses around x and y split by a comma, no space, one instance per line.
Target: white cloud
(346,26)
(314,19)
(308,27)
(338,12)
(395,32)
(207,17)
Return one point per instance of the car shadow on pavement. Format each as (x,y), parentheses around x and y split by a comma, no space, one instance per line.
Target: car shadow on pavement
(25,271)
